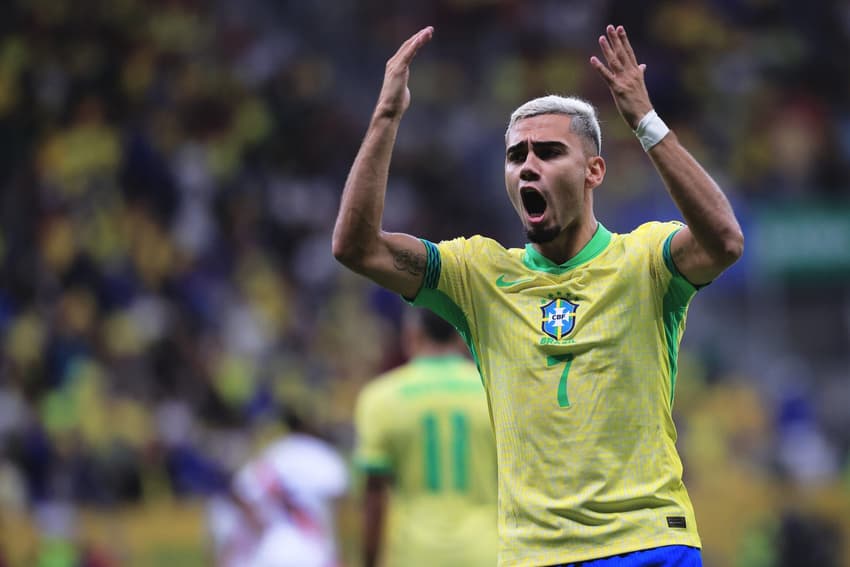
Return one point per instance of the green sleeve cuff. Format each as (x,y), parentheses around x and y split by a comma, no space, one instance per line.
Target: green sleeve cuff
(671,265)
(373,466)
(433,265)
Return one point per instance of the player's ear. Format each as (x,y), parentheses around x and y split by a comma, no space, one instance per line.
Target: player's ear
(594,172)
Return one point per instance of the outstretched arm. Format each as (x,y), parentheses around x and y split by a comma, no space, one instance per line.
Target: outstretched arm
(395,261)
(713,240)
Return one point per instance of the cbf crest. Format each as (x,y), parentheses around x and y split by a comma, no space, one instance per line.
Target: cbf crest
(559,318)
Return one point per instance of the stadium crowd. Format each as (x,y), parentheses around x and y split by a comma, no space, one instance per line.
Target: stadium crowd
(169,172)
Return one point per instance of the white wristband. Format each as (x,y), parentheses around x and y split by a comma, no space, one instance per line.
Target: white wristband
(651,130)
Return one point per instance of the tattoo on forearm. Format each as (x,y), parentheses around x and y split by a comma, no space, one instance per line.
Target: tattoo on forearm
(407,261)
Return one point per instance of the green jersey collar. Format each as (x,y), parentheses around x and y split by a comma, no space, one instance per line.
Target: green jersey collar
(534,260)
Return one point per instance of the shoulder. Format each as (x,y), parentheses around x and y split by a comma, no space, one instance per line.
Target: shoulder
(310,464)
(474,245)
(476,254)
(302,446)
(654,230)
(452,367)
(383,388)
(472,374)
(652,238)
(468,369)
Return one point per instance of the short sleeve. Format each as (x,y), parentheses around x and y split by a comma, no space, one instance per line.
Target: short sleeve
(446,289)
(672,288)
(656,238)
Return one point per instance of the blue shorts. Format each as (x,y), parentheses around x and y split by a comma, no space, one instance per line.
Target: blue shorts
(666,556)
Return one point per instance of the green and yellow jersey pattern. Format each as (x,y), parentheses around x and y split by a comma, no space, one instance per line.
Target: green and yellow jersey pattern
(579,364)
(426,423)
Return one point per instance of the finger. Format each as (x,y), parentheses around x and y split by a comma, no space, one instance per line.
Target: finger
(410,47)
(627,46)
(405,47)
(602,69)
(613,37)
(616,44)
(409,41)
(608,52)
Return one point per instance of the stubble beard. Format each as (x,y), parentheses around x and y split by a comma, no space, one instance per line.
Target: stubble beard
(542,235)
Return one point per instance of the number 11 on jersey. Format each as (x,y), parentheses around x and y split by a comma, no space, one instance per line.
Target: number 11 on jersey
(567,359)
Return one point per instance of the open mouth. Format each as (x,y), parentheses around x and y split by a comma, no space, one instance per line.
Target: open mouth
(533,202)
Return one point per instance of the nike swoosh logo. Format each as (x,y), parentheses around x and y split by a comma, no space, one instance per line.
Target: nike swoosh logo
(501,282)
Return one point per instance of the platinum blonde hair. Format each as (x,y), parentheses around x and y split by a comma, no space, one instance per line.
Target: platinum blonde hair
(584,121)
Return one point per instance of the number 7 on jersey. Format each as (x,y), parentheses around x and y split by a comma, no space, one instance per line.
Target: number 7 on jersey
(567,359)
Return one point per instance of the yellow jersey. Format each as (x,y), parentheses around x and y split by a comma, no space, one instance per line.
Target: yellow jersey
(579,364)
(426,424)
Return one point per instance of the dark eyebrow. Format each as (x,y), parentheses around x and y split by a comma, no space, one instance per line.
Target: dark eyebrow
(515,147)
(544,145)
(549,145)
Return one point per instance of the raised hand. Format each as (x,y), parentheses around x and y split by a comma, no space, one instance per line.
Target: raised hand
(395,95)
(623,74)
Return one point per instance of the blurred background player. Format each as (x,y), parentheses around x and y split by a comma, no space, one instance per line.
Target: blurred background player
(284,503)
(426,445)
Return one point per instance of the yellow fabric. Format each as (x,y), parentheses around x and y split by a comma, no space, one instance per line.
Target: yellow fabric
(426,424)
(582,413)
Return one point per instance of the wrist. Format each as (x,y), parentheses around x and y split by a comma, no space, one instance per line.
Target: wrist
(650,130)
(384,123)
